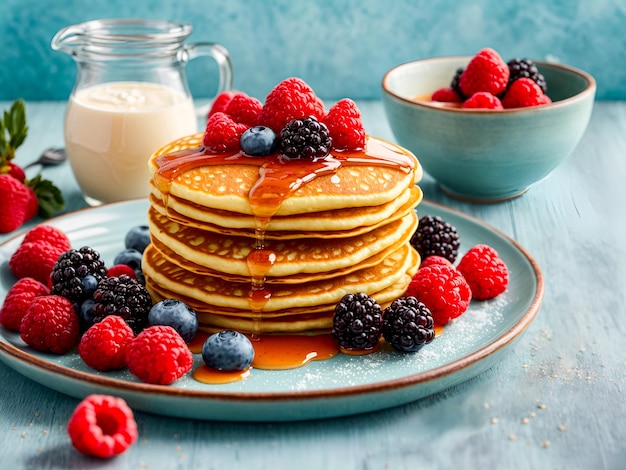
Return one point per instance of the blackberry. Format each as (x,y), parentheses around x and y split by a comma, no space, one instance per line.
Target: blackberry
(357,322)
(71,268)
(125,297)
(519,68)
(454,84)
(305,138)
(408,324)
(436,237)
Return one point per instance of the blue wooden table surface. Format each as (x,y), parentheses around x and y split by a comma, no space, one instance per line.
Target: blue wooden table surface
(555,401)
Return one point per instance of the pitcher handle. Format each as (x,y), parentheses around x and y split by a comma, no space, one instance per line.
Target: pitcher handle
(221,57)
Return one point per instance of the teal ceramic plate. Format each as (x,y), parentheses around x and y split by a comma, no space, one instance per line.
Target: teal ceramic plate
(341,386)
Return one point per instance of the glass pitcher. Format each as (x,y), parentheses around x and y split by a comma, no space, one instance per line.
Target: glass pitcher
(130,98)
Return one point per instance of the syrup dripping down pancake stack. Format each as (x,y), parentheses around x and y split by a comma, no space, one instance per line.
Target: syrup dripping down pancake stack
(270,245)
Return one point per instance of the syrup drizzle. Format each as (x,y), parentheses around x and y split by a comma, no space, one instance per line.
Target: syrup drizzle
(278,179)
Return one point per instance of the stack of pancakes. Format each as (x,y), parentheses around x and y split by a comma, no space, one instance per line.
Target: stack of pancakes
(328,234)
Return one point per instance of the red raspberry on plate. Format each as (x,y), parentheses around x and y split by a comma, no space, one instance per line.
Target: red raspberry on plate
(222,134)
(446,95)
(291,99)
(244,109)
(523,93)
(486,71)
(50,234)
(50,324)
(158,355)
(102,426)
(35,259)
(345,125)
(443,290)
(103,345)
(434,260)
(482,100)
(15,197)
(220,102)
(17,301)
(485,272)
(118,270)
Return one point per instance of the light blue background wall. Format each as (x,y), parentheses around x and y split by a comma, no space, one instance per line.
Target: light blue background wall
(341,47)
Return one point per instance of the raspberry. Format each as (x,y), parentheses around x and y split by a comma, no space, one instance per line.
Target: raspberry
(291,99)
(485,272)
(17,301)
(103,345)
(305,138)
(50,324)
(357,322)
(485,72)
(443,290)
(121,269)
(50,234)
(523,93)
(520,68)
(434,259)
(35,259)
(345,125)
(244,109)
(102,426)
(220,102)
(446,95)
(434,236)
(408,324)
(125,297)
(222,134)
(158,355)
(482,100)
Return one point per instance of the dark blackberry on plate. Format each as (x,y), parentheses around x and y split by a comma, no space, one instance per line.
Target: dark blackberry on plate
(408,325)
(125,297)
(434,236)
(357,322)
(71,269)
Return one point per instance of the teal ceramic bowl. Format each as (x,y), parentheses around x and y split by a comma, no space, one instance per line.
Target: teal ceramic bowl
(485,155)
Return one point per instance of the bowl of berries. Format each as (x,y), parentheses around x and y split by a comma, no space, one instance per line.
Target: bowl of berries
(486,129)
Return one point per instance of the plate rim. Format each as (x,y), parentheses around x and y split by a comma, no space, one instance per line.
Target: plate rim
(405,382)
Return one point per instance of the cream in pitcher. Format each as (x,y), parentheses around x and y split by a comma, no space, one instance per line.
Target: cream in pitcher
(131,98)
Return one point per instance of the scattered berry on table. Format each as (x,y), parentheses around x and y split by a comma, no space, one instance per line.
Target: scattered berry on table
(15,199)
(305,139)
(487,72)
(228,351)
(482,100)
(125,297)
(220,102)
(121,269)
(129,257)
(446,95)
(222,133)
(258,141)
(70,269)
(408,324)
(435,236)
(137,238)
(526,68)
(485,272)
(357,322)
(103,345)
(102,426)
(345,126)
(443,290)
(244,109)
(17,301)
(177,314)
(524,93)
(158,355)
(50,324)
(291,99)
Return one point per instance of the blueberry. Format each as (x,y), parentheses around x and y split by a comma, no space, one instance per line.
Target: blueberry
(258,141)
(177,314)
(89,284)
(228,350)
(138,238)
(129,257)
(86,314)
